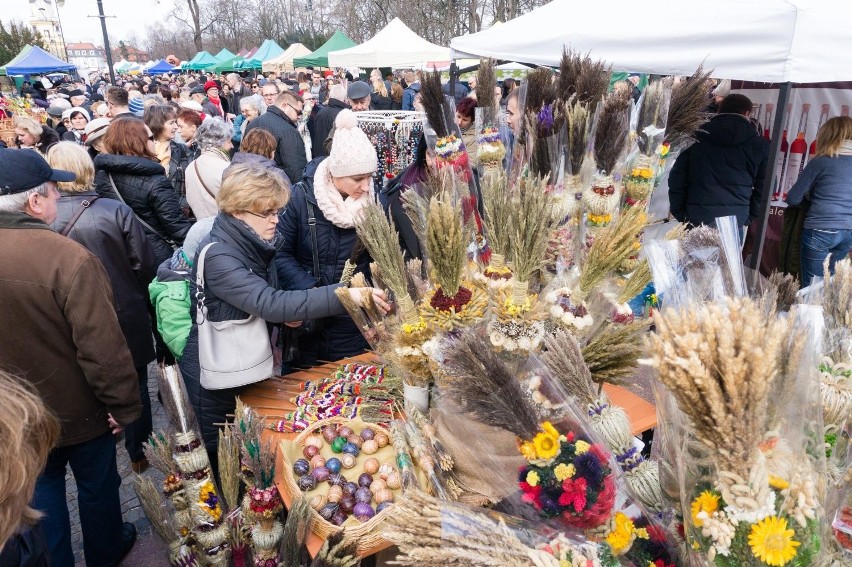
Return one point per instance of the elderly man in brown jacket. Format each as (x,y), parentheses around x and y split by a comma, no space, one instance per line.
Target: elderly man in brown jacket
(62,335)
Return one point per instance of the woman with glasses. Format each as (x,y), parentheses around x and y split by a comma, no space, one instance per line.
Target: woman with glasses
(240,281)
(129,172)
(250,108)
(204,175)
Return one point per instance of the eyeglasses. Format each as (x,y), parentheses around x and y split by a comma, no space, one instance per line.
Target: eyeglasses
(268,215)
(298,110)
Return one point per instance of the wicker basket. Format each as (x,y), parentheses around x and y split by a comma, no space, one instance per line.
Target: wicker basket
(367,535)
(7,131)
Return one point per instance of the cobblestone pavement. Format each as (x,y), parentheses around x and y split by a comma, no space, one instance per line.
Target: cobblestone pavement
(148,551)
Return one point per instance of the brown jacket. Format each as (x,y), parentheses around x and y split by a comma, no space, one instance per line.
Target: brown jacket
(60,330)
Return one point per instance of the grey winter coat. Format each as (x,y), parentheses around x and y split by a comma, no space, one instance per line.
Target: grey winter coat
(290,153)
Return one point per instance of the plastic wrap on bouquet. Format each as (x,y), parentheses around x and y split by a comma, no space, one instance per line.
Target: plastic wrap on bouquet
(491,139)
(430,531)
(750,489)
(602,197)
(651,115)
(567,477)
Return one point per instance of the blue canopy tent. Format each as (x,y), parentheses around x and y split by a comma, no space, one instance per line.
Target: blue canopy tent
(160,68)
(37,61)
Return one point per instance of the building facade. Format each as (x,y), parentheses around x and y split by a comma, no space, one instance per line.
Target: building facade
(88,57)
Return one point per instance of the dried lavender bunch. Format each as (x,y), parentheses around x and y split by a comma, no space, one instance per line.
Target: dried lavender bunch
(540,90)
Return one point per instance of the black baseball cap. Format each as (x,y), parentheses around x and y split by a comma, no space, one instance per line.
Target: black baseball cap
(22,170)
(197,90)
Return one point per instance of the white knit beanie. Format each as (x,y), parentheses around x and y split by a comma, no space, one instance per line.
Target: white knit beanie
(351,150)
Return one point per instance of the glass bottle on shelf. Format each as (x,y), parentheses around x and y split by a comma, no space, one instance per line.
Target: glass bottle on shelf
(823,116)
(767,121)
(798,149)
(781,159)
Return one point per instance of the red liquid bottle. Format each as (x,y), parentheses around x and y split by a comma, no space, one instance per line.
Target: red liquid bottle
(781,161)
(767,121)
(798,149)
(823,116)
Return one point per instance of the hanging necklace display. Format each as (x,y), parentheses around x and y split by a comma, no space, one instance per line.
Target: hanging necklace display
(394,134)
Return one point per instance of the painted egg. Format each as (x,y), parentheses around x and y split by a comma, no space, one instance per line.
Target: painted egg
(352,449)
(377,485)
(338,518)
(350,488)
(345,431)
(365,479)
(393,480)
(301,467)
(382,439)
(383,505)
(363,494)
(384,495)
(385,470)
(320,474)
(314,441)
(335,493)
(333,465)
(338,443)
(318,501)
(368,433)
(363,511)
(307,483)
(317,461)
(337,479)
(355,440)
(371,465)
(370,447)
(310,452)
(347,503)
(329,434)
(328,511)
(348,461)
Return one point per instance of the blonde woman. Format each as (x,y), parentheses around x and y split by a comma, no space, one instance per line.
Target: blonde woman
(380,99)
(30,134)
(240,280)
(827,183)
(109,230)
(28,431)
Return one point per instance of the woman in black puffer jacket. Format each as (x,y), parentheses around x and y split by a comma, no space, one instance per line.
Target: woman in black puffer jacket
(240,281)
(127,171)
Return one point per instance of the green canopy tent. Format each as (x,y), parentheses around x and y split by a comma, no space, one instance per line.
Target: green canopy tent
(267,50)
(224,55)
(16,59)
(319,58)
(186,64)
(202,61)
(227,65)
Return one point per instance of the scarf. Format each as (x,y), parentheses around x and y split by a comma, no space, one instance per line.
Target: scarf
(341,212)
(217,102)
(164,152)
(845,148)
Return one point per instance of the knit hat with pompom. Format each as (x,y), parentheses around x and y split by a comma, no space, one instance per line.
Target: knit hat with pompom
(351,150)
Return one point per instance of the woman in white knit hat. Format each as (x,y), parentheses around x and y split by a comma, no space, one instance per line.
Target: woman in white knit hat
(333,192)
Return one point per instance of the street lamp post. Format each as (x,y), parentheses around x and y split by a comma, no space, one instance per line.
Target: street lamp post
(106,42)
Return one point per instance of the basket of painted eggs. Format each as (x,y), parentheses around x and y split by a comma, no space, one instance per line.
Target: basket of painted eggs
(347,470)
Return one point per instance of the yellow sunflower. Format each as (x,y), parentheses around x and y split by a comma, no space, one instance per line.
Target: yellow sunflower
(704,502)
(772,542)
(546,443)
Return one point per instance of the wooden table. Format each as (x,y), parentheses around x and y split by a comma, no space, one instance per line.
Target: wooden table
(272,398)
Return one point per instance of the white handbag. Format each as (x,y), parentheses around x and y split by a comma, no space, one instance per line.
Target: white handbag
(230,353)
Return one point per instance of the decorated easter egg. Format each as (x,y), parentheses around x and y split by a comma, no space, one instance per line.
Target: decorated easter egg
(338,518)
(365,479)
(328,511)
(382,439)
(355,440)
(385,470)
(370,447)
(320,474)
(338,443)
(333,465)
(363,494)
(314,441)
(377,485)
(347,503)
(301,467)
(363,511)
(345,431)
(393,480)
(383,505)
(306,483)
(368,433)
(347,460)
(329,434)
(335,493)
(350,488)
(317,461)
(371,465)
(337,479)
(384,495)
(352,449)
(310,452)
(318,501)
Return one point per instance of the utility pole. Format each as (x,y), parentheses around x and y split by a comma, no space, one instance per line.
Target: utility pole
(106,42)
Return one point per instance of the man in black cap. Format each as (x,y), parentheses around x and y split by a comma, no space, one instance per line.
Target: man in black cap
(67,343)
(78,98)
(199,95)
(358,98)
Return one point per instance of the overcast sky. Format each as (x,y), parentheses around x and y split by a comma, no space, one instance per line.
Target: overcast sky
(131,16)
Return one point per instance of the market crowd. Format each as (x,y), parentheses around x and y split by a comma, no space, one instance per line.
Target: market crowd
(110,205)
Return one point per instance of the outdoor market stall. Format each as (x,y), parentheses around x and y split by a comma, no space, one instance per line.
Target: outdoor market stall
(319,58)
(161,67)
(37,61)
(284,62)
(267,50)
(394,46)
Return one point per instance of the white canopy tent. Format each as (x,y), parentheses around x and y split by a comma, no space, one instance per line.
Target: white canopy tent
(775,41)
(284,62)
(394,46)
